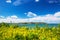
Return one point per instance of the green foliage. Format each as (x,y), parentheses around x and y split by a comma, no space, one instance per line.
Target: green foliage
(14,32)
(4,24)
(59,25)
(36,26)
(19,37)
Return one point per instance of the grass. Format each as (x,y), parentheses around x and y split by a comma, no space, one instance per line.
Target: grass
(14,32)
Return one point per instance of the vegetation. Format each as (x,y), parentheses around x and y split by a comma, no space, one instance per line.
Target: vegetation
(15,32)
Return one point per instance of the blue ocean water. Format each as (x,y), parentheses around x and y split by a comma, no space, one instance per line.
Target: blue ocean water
(39,25)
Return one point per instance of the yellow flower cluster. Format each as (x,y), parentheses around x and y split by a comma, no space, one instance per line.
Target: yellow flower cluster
(23,33)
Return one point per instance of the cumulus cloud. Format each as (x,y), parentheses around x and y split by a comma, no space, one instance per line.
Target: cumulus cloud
(49,18)
(31,14)
(8,1)
(14,16)
(57,14)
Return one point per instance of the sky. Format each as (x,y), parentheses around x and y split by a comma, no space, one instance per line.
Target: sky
(16,11)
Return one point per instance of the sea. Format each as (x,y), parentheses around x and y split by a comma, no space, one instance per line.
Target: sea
(39,25)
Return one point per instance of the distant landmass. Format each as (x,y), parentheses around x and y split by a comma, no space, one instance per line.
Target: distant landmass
(33,22)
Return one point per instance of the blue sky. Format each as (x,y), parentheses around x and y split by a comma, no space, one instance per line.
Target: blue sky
(30,9)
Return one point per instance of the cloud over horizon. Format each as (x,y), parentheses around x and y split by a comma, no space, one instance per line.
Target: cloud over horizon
(30,14)
(49,18)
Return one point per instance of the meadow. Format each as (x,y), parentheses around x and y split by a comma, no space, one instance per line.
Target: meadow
(15,32)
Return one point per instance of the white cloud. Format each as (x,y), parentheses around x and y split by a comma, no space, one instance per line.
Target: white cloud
(49,18)
(49,15)
(57,14)
(1,16)
(8,1)
(14,16)
(30,14)
(17,2)
(37,0)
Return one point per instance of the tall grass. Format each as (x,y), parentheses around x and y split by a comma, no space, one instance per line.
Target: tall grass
(15,32)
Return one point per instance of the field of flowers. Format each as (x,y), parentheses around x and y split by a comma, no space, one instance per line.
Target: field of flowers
(11,32)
